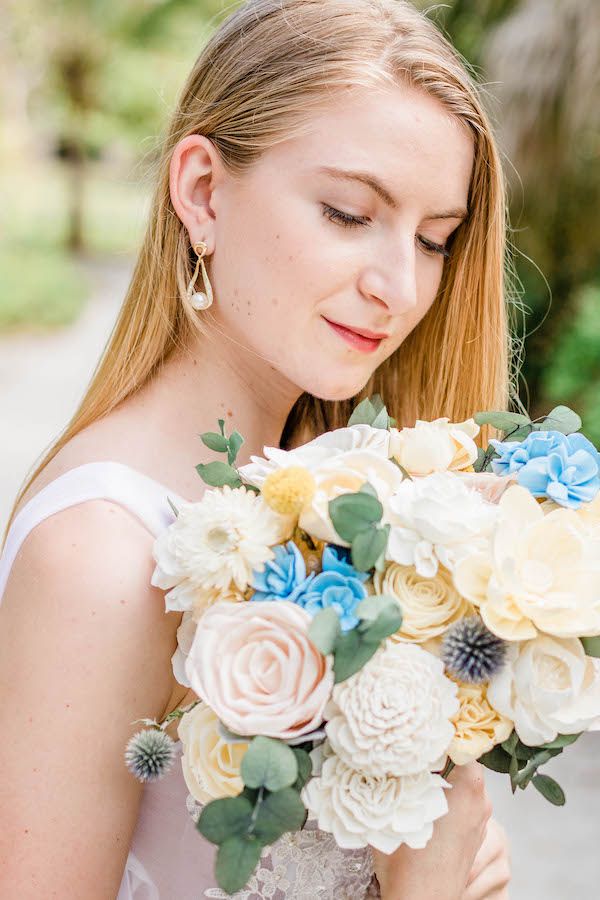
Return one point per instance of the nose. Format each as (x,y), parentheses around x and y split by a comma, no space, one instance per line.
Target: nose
(392,281)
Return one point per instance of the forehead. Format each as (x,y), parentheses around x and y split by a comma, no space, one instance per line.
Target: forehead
(402,135)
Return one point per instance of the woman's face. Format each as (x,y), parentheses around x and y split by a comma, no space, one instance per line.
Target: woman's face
(305,252)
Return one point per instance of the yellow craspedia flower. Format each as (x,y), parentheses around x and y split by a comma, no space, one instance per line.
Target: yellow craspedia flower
(288,490)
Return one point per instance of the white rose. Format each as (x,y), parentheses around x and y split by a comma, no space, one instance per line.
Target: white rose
(380,810)
(429,605)
(344,474)
(315,452)
(437,519)
(436,446)
(393,716)
(211,765)
(548,686)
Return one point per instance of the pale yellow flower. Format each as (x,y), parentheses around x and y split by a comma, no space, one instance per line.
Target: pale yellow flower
(211,766)
(288,490)
(429,605)
(479,727)
(437,446)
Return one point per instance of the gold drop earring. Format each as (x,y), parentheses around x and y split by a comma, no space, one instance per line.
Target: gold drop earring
(200,299)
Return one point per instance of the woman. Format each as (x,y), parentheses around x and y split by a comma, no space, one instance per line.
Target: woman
(331,161)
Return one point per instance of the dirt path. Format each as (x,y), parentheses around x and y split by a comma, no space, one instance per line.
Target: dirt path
(554,850)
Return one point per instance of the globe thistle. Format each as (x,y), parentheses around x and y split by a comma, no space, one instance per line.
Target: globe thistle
(150,754)
(471,652)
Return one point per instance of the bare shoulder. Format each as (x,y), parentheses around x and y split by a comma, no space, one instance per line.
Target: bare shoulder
(85,647)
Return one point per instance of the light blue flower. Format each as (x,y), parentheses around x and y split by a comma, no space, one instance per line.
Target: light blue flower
(334,590)
(565,468)
(338,559)
(284,577)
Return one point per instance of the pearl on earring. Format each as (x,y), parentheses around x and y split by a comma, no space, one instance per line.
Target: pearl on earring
(200,299)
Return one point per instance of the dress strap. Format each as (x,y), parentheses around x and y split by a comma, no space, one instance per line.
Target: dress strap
(147,499)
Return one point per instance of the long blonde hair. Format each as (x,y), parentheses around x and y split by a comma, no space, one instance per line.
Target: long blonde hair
(258,78)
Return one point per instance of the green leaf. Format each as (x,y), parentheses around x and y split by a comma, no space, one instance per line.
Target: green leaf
(221,819)
(367,488)
(591,645)
(214,441)
(550,789)
(510,743)
(351,653)
(563,740)
(221,426)
(481,460)
(372,606)
(173,507)
(497,759)
(562,419)
(324,630)
(236,861)
(502,421)
(527,770)
(352,513)
(304,768)
(279,812)
(268,763)
(367,546)
(218,473)
(363,414)
(519,434)
(235,442)
(381,420)
(380,617)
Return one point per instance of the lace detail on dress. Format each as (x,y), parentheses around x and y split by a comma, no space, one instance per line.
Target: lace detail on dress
(304,865)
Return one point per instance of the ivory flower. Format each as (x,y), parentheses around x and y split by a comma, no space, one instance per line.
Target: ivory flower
(436,446)
(393,716)
(479,727)
(437,519)
(211,766)
(255,666)
(381,810)
(548,686)
(212,543)
(428,605)
(541,572)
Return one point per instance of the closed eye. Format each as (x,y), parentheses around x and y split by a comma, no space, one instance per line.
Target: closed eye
(348,221)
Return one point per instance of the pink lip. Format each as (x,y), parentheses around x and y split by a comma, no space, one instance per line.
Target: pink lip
(360,338)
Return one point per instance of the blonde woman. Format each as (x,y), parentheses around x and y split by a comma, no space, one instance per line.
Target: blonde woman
(331,163)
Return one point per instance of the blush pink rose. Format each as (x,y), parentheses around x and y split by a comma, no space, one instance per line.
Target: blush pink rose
(255,666)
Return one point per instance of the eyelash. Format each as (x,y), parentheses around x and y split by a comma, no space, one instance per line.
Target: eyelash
(348,221)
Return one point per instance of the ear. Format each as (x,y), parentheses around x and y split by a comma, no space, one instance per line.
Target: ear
(194,174)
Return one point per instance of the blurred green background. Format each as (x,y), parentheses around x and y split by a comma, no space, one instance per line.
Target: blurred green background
(86,87)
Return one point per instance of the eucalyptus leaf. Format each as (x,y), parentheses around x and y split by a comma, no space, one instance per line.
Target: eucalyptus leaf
(304,768)
(217,474)
(351,654)
(381,420)
(563,740)
(221,819)
(481,459)
(234,443)
(387,623)
(370,608)
(236,861)
(367,546)
(279,812)
(221,426)
(363,414)
(324,630)
(591,645)
(550,789)
(500,420)
(352,513)
(519,434)
(214,441)
(562,419)
(497,759)
(268,763)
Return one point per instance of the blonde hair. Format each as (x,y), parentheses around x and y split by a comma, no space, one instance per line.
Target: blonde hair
(256,82)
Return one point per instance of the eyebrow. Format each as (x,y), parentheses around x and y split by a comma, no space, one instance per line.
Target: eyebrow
(382,192)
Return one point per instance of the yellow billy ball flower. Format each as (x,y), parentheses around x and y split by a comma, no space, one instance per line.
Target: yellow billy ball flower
(288,490)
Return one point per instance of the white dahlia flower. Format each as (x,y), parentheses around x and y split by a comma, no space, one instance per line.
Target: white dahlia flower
(393,717)
(212,543)
(381,810)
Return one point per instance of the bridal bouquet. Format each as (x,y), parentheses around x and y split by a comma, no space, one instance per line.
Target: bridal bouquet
(362,612)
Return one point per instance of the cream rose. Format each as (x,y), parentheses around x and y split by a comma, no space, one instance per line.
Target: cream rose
(548,686)
(541,572)
(479,727)
(255,666)
(343,474)
(380,810)
(393,716)
(436,446)
(211,765)
(428,605)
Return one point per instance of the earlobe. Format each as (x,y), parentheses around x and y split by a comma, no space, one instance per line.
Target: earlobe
(191,183)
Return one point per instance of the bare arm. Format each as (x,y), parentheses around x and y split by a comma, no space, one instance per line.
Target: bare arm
(85,650)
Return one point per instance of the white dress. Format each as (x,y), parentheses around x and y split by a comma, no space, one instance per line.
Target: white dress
(168,858)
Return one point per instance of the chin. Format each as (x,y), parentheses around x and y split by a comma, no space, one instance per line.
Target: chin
(336,386)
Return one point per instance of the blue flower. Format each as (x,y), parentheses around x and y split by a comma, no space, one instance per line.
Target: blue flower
(282,578)
(338,559)
(334,590)
(565,468)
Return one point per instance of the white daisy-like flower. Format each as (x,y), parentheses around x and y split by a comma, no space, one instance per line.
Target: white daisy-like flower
(216,542)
